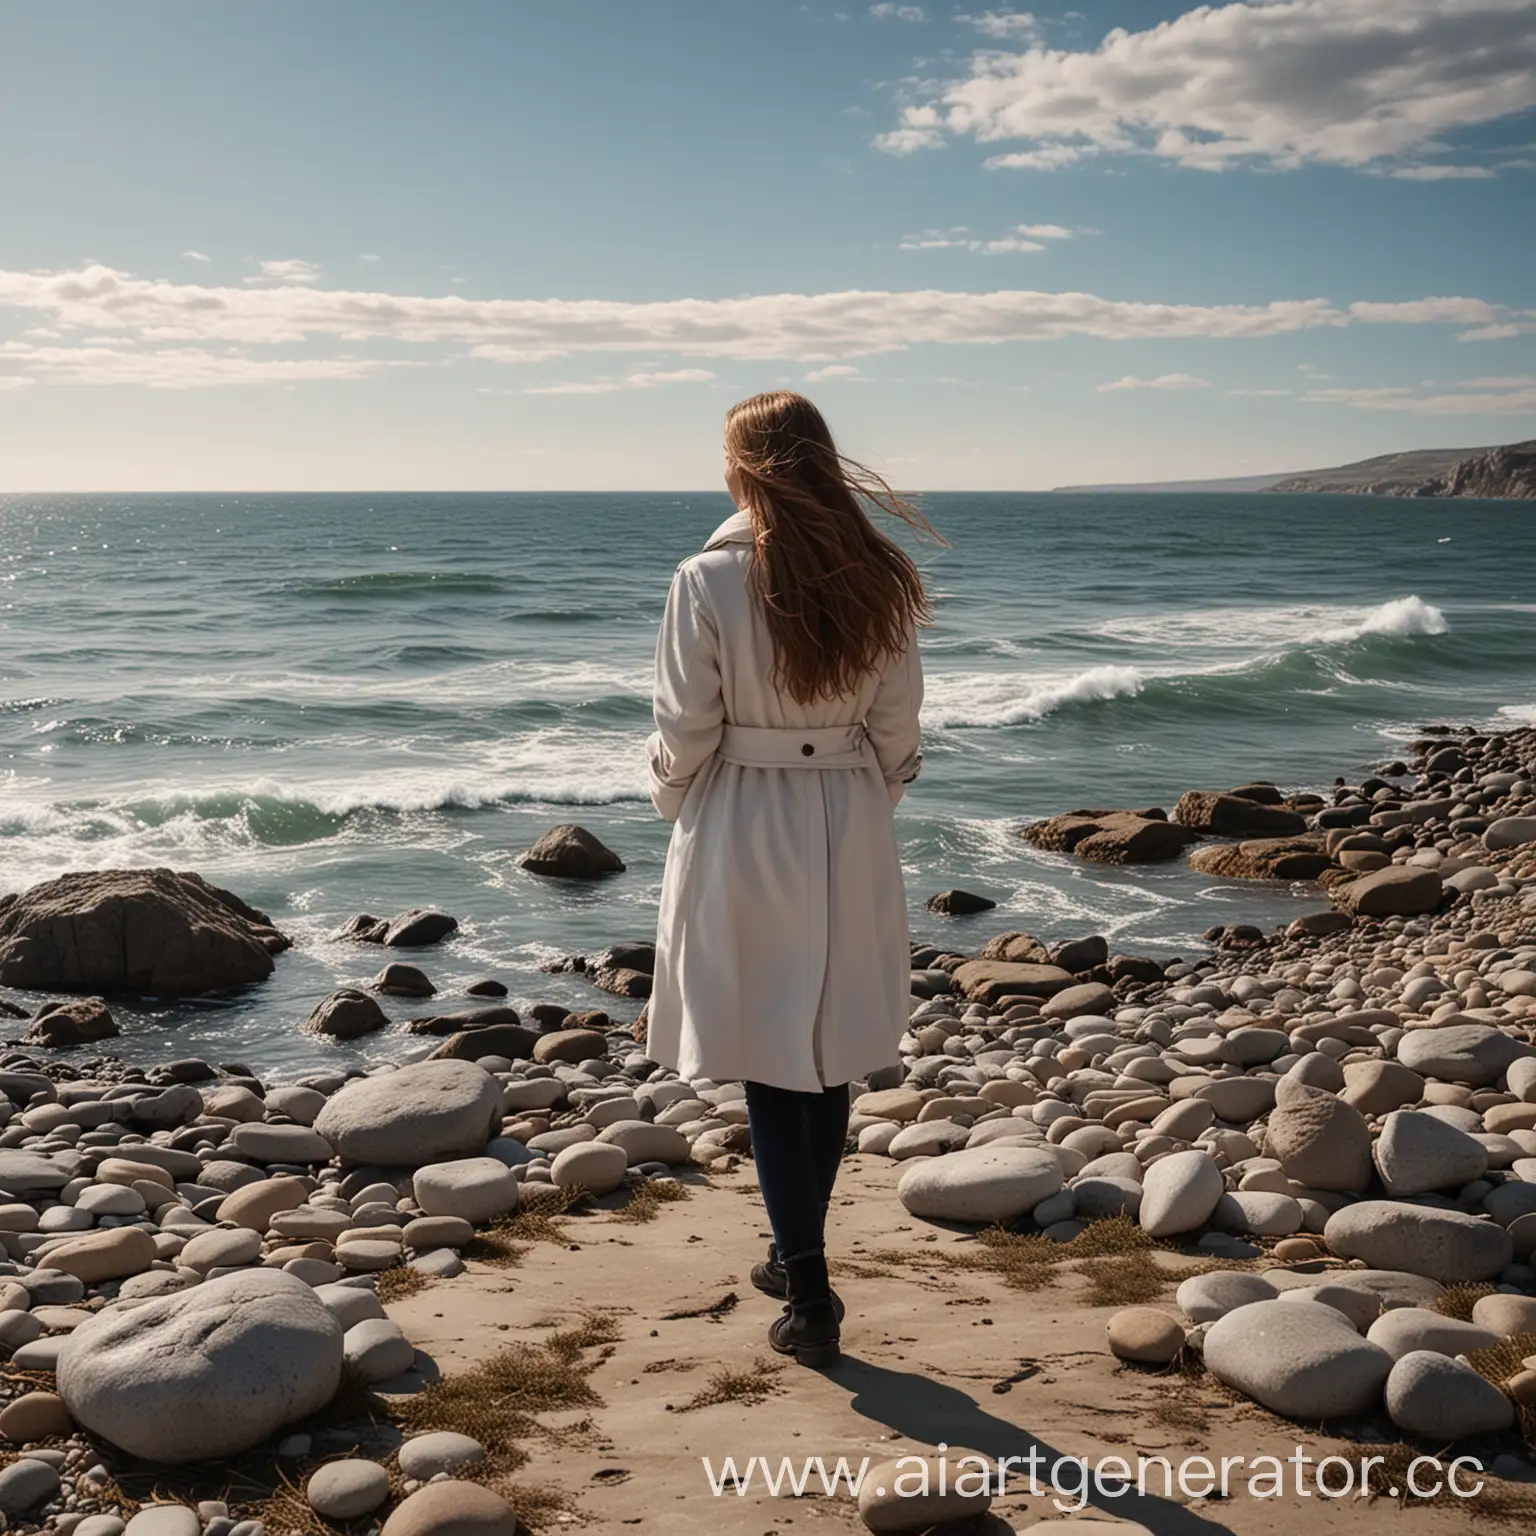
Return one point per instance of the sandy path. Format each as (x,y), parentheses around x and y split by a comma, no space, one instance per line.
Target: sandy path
(929,1358)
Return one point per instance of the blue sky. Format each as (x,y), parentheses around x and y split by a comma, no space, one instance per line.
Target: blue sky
(373,244)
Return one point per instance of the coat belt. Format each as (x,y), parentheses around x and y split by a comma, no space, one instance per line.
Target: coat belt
(831,746)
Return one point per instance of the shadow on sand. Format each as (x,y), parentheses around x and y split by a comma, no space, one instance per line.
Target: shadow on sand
(930,1413)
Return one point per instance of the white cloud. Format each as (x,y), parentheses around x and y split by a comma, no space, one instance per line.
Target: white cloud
(1022,237)
(1009,25)
(887,12)
(811,328)
(1280,83)
(832,371)
(1055,157)
(1503,381)
(1162,381)
(195,256)
(176,367)
(1517,402)
(291,270)
(608,386)
(369,256)
(12,382)
(1443,173)
(1260,394)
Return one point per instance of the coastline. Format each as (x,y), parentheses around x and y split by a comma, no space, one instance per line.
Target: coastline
(1042,1086)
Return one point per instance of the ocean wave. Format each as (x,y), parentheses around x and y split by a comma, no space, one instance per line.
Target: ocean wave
(390,584)
(959,699)
(1271,628)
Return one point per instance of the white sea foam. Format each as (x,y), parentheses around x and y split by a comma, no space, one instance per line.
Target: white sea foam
(1270,628)
(957,699)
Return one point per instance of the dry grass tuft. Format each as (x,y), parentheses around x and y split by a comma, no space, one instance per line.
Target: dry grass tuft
(752,1386)
(1458,1300)
(1030,1262)
(396,1284)
(498,1400)
(1501,1361)
(537,1219)
(1127,1281)
(539,1505)
(1498,1503)
(646,1200)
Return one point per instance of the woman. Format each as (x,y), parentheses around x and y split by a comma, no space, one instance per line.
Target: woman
(787,694)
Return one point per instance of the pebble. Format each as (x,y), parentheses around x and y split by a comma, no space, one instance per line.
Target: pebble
(348,1489)
(425,1456)
(903,1495)
(1145,1335)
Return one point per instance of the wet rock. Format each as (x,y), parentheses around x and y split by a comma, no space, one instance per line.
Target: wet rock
(1271,858)
(398,979)
(1111,837)
(346,1015)
(63,1025)
(1401,890)
(958,904)
(418,928)
(571,853)
(1235,816)
(985,981)
(119,931)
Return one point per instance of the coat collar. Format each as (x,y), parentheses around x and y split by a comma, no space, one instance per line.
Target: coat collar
(736,529)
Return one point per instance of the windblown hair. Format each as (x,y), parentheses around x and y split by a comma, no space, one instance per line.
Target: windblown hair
(838,594)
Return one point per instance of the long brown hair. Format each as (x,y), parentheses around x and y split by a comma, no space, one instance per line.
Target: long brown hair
(838,593)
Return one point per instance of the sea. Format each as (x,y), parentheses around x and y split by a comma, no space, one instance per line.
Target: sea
(336,704)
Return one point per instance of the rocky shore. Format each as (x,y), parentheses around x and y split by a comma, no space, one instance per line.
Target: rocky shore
(1338,1120)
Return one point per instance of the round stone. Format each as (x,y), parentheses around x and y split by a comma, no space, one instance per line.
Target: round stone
(1441,1399)
(110,1254)
(1417,1153)
(221,1249)
(1179,1193)
(166,1520)
(423,1113)
(980,1185)
(1204,1298)
(1145,1335)
(904,1495)
(206,1372)
(452,1508)
(344,1490)
(1447,1246)
(1404,1330)
(376,1349)
(476,1189)
(594,1166)
(646,1143)
(424,1456)
(35,1416)
(25,1484)
(1299,1359)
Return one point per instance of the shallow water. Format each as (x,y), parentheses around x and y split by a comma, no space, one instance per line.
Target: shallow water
(337,704)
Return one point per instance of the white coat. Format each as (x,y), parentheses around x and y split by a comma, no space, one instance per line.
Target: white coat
(782,952)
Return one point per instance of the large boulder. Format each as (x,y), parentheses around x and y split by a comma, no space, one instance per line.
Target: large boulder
(1401,890)
(982,1185)
(985,981)
(513,1041)
(1476,1055)
(1268,858)
(571,853)
(205,1373)
(1111,837)
(1417,1153)
(1447,1246)
(428,1112)
(1236,816)
(80,1021)
(147,931)
(1320,1140)
(1300,1359)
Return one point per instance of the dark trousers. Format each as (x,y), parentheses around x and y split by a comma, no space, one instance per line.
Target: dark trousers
(797,1143)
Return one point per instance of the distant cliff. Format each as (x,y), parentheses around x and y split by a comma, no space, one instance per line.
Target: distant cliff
(1504,474)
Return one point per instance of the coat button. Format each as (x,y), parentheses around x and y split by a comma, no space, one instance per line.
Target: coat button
(808,750)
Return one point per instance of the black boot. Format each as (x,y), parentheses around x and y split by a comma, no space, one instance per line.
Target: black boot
(808,1330)
(770,1279)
